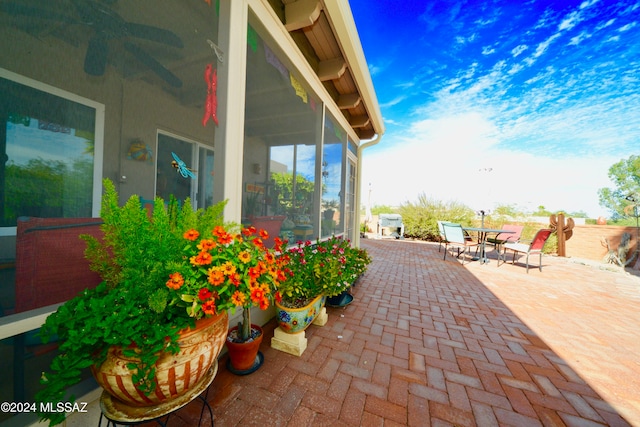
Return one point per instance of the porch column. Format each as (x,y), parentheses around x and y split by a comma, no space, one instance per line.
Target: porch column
(229,143)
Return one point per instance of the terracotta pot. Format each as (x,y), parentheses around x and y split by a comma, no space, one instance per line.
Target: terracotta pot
(243,356)
(175,373)
(294,320)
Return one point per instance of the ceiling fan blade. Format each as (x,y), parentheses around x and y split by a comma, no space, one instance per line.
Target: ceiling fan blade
(153,65)
(155,34)
(41,11)
(95,60)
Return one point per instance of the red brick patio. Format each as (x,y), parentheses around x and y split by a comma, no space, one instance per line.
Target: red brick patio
(428,342)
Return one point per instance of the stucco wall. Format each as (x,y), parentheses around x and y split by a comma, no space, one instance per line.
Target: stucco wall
(586,240)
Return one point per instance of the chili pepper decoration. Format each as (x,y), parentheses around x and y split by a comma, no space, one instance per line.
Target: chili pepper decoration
(211,103)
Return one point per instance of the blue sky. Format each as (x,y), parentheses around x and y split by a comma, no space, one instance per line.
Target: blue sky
(525,103)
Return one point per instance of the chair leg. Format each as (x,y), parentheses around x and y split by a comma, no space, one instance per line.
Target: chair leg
(527,262)
(540,263)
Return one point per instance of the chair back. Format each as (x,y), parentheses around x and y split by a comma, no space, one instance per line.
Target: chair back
(441,228)
(510,237)
(50,262)
(539,240)
(453,233)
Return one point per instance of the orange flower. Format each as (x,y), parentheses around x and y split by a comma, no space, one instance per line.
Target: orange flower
(257,294)
(224,238)
(254,272)
(216,276)
(235,279)
(228,268)
(262,268)
(258,242)
(274,271)
(209,307)
(248,231)
(203,258)
(244,256)
(278,244)
(175,281)
(264,303)
(269,258)
(191,234)
(206,244)
(264,235)
(238,298)
(218,231)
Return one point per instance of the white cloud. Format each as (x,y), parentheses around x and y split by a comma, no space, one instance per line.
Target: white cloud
(570,21)
(446,160)
(519,49)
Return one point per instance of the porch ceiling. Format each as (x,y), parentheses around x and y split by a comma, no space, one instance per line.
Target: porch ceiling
(326,34)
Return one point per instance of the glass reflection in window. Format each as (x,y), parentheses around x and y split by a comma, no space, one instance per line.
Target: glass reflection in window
(331,220)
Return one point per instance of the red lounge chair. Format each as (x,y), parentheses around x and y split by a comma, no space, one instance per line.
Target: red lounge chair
(535,247)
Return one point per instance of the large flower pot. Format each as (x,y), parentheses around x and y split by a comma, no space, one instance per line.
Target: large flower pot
(244,357)
(175,373)
(294,320)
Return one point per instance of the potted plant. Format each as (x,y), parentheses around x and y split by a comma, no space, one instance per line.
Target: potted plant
(241,273)
(153,298)
(356,262)
(314,272)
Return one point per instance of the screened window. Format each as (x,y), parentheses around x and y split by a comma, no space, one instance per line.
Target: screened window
(332,194)
(282,136)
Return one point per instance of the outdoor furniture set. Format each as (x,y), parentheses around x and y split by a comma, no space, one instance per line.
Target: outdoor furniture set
(506,238)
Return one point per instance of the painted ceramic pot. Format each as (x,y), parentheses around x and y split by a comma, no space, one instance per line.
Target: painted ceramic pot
(175,373)
(294,320)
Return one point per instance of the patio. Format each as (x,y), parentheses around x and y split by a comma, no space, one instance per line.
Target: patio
(430,342)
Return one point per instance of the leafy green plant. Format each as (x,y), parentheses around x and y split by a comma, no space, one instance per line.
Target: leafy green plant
(326,267)
(133,307)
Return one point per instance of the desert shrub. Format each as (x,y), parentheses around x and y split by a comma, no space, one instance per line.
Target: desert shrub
(420,217)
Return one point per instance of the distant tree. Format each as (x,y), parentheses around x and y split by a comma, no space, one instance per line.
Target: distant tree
(625,175)
(577,214)
(541,211)
(383,209)
(507,210)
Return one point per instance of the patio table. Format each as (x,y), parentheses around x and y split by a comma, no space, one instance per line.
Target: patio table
(482,238)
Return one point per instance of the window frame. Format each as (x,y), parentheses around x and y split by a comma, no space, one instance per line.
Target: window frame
(98,154)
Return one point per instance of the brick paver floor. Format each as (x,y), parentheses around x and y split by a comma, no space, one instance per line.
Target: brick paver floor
(428,342)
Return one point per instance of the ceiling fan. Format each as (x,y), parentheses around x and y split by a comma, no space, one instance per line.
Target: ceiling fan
(106,25)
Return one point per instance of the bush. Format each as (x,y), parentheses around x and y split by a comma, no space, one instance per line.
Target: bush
(420,218)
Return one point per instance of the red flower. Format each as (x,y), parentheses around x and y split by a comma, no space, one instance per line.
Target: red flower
(204,294)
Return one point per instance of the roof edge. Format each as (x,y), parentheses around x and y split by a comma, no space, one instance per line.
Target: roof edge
(341,18)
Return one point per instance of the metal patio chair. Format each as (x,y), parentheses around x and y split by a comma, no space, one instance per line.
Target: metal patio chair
(503,238)
(535,247)
(455,237)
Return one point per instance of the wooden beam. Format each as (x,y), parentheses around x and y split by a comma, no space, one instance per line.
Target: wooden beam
(301,14)
(348,101)
(366,133)
(331,69)
(359,121)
